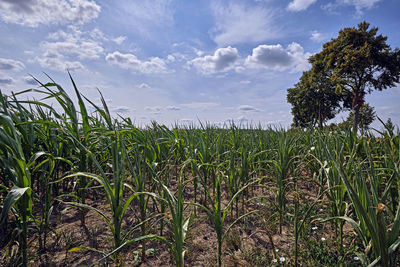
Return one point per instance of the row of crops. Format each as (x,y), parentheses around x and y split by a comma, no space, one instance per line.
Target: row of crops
(273,180)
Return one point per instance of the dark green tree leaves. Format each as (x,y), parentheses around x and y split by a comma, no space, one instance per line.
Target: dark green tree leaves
(359,61)
(349,66)
(314,100)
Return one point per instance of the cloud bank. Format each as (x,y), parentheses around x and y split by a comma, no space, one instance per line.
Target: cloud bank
(32,13)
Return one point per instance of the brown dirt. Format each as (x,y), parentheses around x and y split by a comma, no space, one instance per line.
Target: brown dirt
(249,237)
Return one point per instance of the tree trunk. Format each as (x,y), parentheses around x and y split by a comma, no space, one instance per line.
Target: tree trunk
(356,118)
(358,101)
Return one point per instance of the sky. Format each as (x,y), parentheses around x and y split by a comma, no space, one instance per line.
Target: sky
(184,61)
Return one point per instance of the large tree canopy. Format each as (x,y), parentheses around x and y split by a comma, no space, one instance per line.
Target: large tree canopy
(357,62)
(313,99)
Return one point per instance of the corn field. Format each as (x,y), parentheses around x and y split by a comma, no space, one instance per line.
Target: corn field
(82,188)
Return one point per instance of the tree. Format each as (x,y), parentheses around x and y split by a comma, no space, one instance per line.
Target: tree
(357,62)
(313,99)
(366,117)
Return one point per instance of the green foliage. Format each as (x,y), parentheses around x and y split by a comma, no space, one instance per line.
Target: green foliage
(357,62)
(314,99)
(366,117)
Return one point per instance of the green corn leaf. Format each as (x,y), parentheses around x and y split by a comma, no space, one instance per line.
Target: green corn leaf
(12,197)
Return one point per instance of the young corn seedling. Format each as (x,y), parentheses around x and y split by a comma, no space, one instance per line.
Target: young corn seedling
(178,223)
(283,166)
(114,190)
(218,214)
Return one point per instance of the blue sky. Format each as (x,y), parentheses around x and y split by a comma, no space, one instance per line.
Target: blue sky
(181,60)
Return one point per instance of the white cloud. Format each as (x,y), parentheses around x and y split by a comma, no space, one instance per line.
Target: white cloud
(222,60)
(5,80)
(239,69)
(247,108)
(34,12)
(172,108)
(276,57)
(65,49)
(242,24)
(299,5)
(119,40)
(30,80)
(359,5)
(154,110)
(120,109)
(57,61)
(245,82)
(144,86)
(317,36)
(10,64)
(131,62)
(85,45)
(171,58)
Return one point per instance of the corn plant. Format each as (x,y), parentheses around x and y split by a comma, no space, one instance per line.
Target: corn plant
(144,156)
(114,190)
(178,223)
(218,214)
(45,164)
(336,192)
(368,199)
(283,167)
(19,197)
(71,126)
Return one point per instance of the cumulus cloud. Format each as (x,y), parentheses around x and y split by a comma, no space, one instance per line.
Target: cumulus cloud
(174,108)
(237,23)
(84,45)
(119,40)
(131,62)
(10,64)
(30,80)
(57,61)
(144,86)
(276,57)
(240,69)
(121,109)
(317,36)
(35,12)
(247,108)
(154,110)
(222,60)
(171,58)
(64,49)
(5,80)
(299,5)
